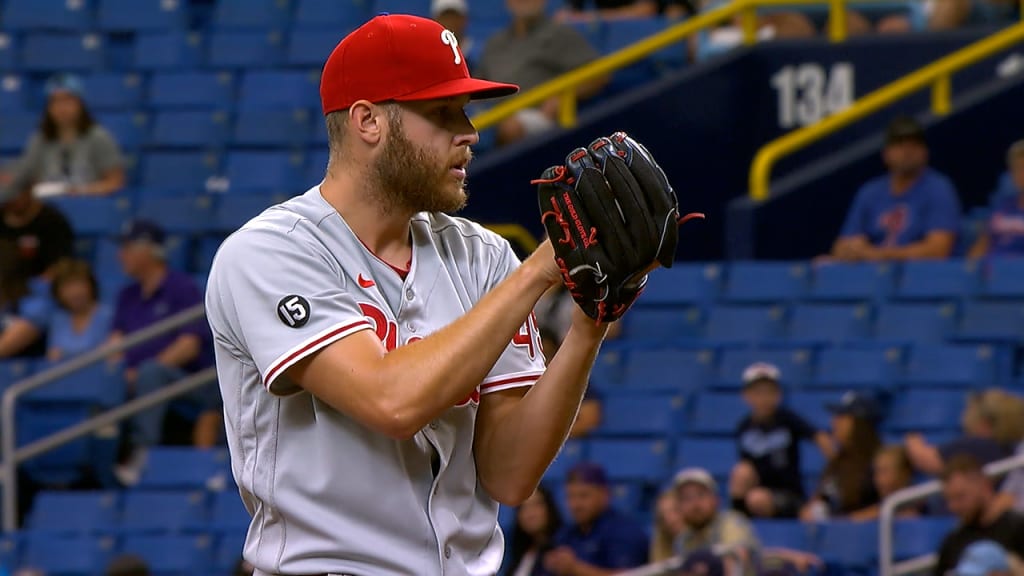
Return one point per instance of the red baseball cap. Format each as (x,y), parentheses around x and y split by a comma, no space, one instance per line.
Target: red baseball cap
(400,57)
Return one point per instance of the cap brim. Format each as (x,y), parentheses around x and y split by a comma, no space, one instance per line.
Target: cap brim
(476,88)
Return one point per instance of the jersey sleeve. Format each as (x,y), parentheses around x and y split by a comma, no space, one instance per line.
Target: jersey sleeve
(522,362)
(277,297)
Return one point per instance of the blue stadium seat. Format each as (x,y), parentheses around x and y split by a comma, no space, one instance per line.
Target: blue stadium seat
(654,415)
(264,172)
(811,405)
(744,324)
(820,324)
(233,210)
(1005,278)
(245,49)
(626,460)
(608,370)
(130,129)
(10,549)
(171,555)
(915,322)
(8,51)
(851,282)
(682,285)
(627,496)
(795,365)
(73,512)
(621,33)
(190,129)
(311,47)
(210,90)
(173,468)
(178,172)
(251,15)
(15,130)
(177,50)
(92,216)
(992,322)
(162,511)
(141,15)
(853,545)
(318,138)
(316,161)
(716,455)
(205,251)
(274,90)
(272,128)
(228,513)
(192,214)
(593,31)
(571,454)
(938,280)
(13,97)
(791,534)
(418,7)
(668,369)
(812,461)
(99,384)
(857,368)
(15,369)
(936,365)
(68,556)
(52,52)
(765,282)
(914,537)
(107,268)
(227,552)
(660,325)
(336,15)
(64,465)
(113,91)
(921,410)
(716,414)
(22,15)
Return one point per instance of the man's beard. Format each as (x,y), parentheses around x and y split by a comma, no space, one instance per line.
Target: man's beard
(406,178)
(698,522)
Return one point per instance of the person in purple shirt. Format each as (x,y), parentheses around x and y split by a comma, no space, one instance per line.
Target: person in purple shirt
(1004,235)
(157,293)
(600,539)
(911,213)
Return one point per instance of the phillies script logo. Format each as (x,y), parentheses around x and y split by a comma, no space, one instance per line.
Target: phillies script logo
(587,240)
(387,331)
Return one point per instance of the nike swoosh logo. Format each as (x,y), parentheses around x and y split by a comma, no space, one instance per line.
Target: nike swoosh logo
(365,283)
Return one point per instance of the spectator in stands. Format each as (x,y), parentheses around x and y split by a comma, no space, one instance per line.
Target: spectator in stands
(80,323)
(950,14)
(454,15)
(1004,234)
(891,472)
(600,539)
(703,563)
(970,496)
(668,525)
(766,481)
(989,433)
(71,153)
(706,526)
(531,51)
(41,233)
(128,565)
(589,416)
(25,308)
(1011,493)
(912,213)
(777,24)
(158,292)
(581,10)
(846,484)
(985,558)
(537,522)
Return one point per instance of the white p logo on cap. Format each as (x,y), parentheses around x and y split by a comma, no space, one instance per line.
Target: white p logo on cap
(448,39)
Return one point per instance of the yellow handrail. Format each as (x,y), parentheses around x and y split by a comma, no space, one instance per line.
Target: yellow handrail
(565,86)
(938,75)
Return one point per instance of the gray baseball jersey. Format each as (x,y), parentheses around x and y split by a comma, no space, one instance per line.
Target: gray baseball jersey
(328,495)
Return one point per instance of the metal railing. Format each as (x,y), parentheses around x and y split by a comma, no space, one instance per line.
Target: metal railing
(937,75)
(12,456)
(887,566)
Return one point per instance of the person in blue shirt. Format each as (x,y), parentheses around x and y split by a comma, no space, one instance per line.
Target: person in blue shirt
(911,213)
(600,540)
(1004,234)
(80,323)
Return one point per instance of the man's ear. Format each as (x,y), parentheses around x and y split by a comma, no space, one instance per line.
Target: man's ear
(367,121)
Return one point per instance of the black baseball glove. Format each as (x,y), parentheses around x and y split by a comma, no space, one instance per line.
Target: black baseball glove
(611,216)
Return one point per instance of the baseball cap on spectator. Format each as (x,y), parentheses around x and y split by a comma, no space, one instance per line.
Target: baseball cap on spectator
(401,58)
(761,372)
(64,83)
(587,473)
(855,404)
(903,129)
(982,558)
(142,231)
(698,476)
(702,562)
(438,7)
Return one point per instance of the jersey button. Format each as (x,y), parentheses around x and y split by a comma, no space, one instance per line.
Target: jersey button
(411,327)
(433,425)
(408,294)
(447,551)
